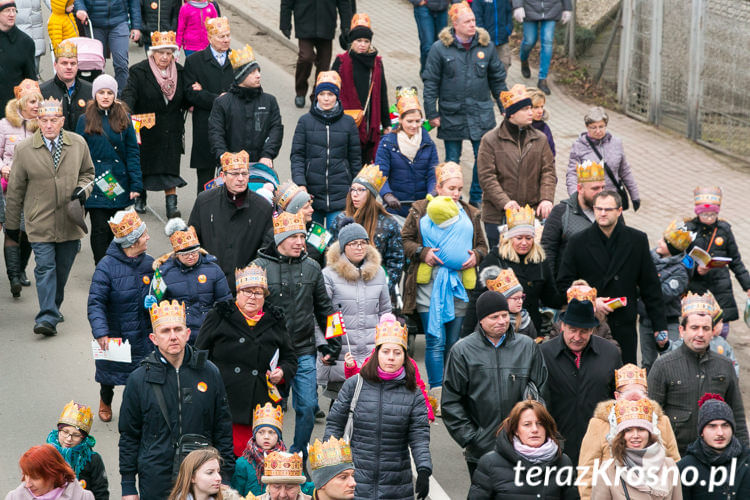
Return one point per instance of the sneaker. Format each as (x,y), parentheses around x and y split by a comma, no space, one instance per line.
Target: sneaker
(525,70)
(320,414)
(542,85)
(299,101)
(45,328)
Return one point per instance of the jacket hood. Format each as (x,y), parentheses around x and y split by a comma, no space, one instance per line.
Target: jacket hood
(447,36)
(660,260)
(116,251)
(338,262)
(603,408)
(18,121)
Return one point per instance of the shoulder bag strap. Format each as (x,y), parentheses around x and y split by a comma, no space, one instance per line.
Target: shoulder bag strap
(610,174)
(625,488)
(711,243)
(369,93)
(163,407)
(349,427)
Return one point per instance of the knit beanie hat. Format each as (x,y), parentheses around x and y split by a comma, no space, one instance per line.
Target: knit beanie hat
(713,407)
(360,27)
(489,303)
(350,231)
(328,80)
(103,81)
(257,428)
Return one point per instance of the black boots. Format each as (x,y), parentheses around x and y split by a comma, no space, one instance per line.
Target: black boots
(542,85)
(25,247)
(140,203)
(13,266)
(525,70)
(172,210)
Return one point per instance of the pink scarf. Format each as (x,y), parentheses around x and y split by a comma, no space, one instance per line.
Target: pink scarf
(390,376)
(168,83)
(50,495)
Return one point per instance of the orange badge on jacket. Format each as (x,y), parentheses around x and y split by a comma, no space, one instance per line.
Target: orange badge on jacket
(146,280)
(480,54)
(154,5)
(201,278)
(719,241)
(81,103)
(202,386)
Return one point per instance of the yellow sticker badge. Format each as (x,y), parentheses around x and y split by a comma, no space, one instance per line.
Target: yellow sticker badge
(480,54)
(202,386)
(146,280)
(201,278)
(81,103)
(154,5)
(719,241)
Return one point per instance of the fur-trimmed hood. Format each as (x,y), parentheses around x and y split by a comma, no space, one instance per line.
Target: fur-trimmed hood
(448,37)
(18,121)
(602,409)
(338,262)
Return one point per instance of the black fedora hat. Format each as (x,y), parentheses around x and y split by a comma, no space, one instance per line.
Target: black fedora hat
(580,314)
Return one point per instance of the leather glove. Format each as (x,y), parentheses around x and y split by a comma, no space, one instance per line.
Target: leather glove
(78,194)
(519,14)
(636,205)
(422,488)
(13,234)
(330,350)
(344,40)
(287,32)
(391,201)
(566,15)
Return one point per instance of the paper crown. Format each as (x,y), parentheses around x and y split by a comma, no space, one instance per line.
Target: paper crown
(163,40)
(239,57)
(516,93)
(231,161)
(630,374)
(182,240)
(329,453)
(268,415)
(520,217)
(167,313)
(79,416)
(638,413)
(694,303)
(677,235)
(66,48)
(286,192)
(286,221)
(282,467)
(50,107)
(250,276)
(590,171)
(129,223)
(389,330)
(371,175)
(717,310)
(26,87)
(407,100)
(505,281)
(328,77)
(448,170)
(217,26)
(360,19)
(581,293)
(709,195)
(458,9)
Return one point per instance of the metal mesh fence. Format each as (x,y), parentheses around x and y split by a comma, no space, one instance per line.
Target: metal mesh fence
(638,72)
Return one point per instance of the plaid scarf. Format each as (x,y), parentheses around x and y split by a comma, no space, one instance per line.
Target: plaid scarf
(254,454)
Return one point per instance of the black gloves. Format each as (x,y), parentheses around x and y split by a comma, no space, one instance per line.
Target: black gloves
(344,40)
(287,32)
(636,205)
(13,234)
(422,488)
(391,201)
(332,349)
(78,194)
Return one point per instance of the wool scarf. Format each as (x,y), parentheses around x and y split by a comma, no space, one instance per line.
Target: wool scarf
(168,80)
(255,455)
(79,456)
(650,458)
(409,146)
(543,454)
(397,375)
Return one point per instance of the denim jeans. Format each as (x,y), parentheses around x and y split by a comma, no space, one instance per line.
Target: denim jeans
(325,217)
(429,24)
(531,31)
(453,153)
(437,348)
(53,264)
(649,349)
(116,39)
(304,400)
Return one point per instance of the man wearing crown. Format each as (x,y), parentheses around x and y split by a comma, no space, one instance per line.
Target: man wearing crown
(175,392)
(65,86)
(17,56)
(332,470)
(282,474)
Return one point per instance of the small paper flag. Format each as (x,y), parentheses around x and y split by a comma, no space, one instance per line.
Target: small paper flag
(109,185)
(158,285)
(318,237)
(335,325)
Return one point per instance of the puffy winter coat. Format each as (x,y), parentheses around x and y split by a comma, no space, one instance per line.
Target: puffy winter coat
(407,180)
(326,156)
(29,20)
(110,13)
(61,25)
(74,104)
(496,16)
(361,294)
(389,420)
(115,309)
(13,129)
(543,10)
(16,62)
(315,18)
(73,491)
(707,470)
(159,15)
(191,28)
(566,219)
(495,477)
(673,277)
(718,281)
(198,286)
(463,84)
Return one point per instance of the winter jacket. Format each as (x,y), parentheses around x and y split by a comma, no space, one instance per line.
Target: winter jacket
(595,445)
(73,491)
(613,153)
(91,475)
(512,170)
(315,18)
(245,481)
(117,153)
(542,127)
(243,354)
(196,404)
(389,421)
(326,157)
(460,85)
(16,62)
(566,219)
(610,488)
(474,404)
(115,309)
(13,129)
(29,20)
(543,10)
(191,27)
(161,145)
(495,477)
(74,104)
(495,16)
(696,458)
(414,250)
(718,281)
(198,287)
(42,191)
(159,15)
(407,180)
(297,287)
(110,13)
(673,277)
(232,234)
(361,294)
(61,25)
(248,119)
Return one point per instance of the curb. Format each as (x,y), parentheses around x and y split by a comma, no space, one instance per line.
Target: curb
(237,8)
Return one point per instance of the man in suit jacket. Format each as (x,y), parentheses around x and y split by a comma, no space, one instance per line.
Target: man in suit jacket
(208,74)
(615,259)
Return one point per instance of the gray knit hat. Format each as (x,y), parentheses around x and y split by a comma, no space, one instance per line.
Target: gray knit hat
(127,227)
(350,231)
(322,476)
(713,407)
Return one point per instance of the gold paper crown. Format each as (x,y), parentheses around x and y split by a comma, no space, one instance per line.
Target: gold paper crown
(520,217)
(163,39)
(693,303)
(717,310)
(182,240)
(360,19)
(458,9)
(167,313)
(329,453)
(505,281)
(129,223)
(581,293)
(250,276)
(371,175)
(627,411)
(285,221)
(217,26)
(282,467)
(328,77)
(26,87)
(448,170)
(240,57)
(590,171)
(66,48)
(677,235)
(407,100)
(630,374)
(268,415)
(50,107)
(709,195)
(389,330)
(230,161)
(79,416)
(516,93)
(286,192)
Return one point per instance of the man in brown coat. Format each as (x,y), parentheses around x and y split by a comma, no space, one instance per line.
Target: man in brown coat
(515,165)
(50,169)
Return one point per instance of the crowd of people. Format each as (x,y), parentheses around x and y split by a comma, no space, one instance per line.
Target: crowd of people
(533,312)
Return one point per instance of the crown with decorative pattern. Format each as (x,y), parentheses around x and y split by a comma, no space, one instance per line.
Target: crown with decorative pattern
(182,240)
(331,77)
(50,107)
(590,171)
(459,9)
(506,283)
(581,293)
(407,100)
(286,222)
(520,221)
(163,40)
(678,235)
(216,26)
(250,276)
(694,303)
(371,177)
(630,374)
(66,48)
(329,453)
(448,170)
(717,310)
(280,467)
(638,413)
(167,313)
(129,223)
(390,330)
(286,192)
(240,57)
(77,415)
(360,19)
(231,161)
(268,414)
(708,195)
(26,87)
(515,95)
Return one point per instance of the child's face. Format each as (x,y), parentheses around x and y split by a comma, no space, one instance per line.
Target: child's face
(537,110)
(708,217)
(515,302)
(661,248)
(266,438)
(188,259)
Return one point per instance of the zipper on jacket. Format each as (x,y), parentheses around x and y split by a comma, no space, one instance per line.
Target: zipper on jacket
(328,162)
(380,436)
(179,402)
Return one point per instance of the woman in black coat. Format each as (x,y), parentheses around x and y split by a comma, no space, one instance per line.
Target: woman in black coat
(156,86)
(242,339)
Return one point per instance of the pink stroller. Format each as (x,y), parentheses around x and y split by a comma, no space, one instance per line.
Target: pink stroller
(90,55)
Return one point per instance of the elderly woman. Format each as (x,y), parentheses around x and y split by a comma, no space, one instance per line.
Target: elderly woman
(155,87)
(527,437)
(46,474)
(251,347)
(597,144)
(118,288)
(18,124)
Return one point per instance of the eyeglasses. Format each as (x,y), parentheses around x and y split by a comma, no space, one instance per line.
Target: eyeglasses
(237,174)
(253,293)
(519,298)
(357,190)
(709,215)
(357,244)
(72,435)
(605,209)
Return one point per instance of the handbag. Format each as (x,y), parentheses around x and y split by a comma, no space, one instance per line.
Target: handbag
(619,185)
(349,428)
(359,114)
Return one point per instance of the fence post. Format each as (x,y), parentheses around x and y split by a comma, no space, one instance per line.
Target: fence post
(626,40)
(572,33)
(695,67)
(654,63)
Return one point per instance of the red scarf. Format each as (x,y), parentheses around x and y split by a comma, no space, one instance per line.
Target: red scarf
(255,455)
(369,130)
